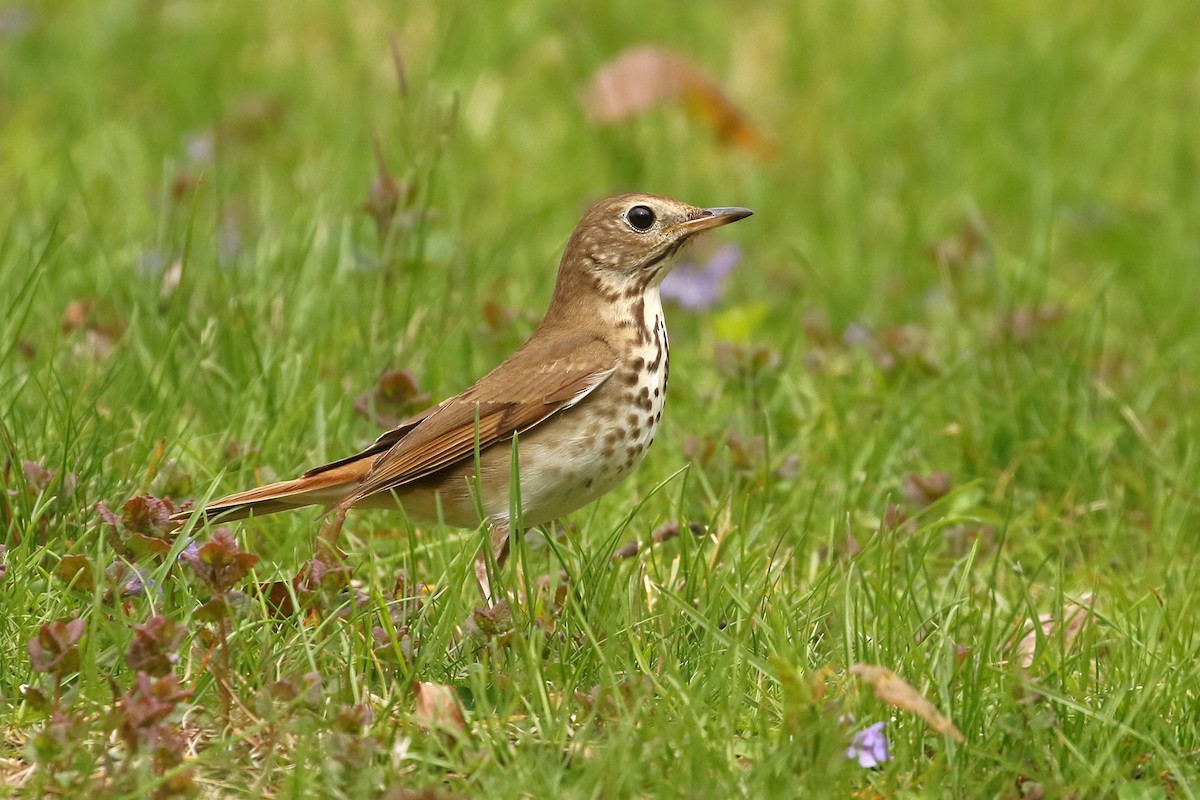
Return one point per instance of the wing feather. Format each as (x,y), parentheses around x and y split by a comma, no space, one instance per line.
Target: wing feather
(539,381)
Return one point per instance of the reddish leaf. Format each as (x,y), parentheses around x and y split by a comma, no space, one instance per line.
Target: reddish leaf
(144,527)
(220,563)
(148,703)
(56,647)
(154,646)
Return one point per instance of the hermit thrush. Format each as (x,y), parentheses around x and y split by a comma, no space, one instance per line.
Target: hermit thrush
(582,398)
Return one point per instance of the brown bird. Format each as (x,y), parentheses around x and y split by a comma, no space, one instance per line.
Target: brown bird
(582,398)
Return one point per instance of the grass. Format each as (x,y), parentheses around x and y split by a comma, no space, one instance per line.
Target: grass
(970,287)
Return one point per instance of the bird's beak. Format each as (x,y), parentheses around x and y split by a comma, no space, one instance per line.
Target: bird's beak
(712,218)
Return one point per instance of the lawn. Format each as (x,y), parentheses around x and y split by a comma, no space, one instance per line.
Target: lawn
(940,418)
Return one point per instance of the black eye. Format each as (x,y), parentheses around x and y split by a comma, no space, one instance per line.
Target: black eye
(640,217)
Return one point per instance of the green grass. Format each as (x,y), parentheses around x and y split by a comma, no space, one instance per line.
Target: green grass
(1046,362)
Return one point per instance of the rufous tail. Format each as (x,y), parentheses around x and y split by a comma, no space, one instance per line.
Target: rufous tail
(325,487)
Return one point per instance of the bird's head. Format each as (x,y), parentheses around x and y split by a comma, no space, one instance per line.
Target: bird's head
(627,244)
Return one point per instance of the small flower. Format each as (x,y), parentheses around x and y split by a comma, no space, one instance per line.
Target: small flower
(699,287)
(870,747)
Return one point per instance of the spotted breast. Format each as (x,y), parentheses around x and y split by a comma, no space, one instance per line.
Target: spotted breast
(606,436)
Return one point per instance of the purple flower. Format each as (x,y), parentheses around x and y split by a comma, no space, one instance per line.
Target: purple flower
(699,287)
(870,747)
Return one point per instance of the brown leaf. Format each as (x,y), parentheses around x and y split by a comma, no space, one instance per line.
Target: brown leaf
(1075,615)
(895,691)
(438,708)
(647,76)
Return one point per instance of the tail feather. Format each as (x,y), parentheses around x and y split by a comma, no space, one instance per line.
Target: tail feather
(323,488)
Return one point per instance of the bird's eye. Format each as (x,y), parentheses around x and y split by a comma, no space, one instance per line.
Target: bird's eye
(640,217)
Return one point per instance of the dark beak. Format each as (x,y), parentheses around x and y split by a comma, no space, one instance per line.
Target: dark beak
(713,218)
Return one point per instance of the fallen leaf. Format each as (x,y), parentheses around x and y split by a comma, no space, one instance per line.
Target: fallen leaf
(648,76)
(895,691)
(438,708)
(1075,614)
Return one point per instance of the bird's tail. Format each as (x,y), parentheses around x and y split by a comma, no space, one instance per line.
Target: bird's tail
(325,487)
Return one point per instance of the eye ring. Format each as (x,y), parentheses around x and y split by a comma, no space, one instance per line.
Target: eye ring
(641,218)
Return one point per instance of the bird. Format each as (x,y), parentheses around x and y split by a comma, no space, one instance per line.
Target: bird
(575,407)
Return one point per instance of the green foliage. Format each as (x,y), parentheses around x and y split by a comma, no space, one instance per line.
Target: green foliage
(944,419)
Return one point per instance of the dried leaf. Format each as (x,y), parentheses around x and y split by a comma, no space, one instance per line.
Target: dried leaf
(895,691)
(438,708)
(1075,615)
(647,76)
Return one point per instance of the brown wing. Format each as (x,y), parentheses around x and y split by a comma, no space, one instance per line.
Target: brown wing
(539,380)
(381,445)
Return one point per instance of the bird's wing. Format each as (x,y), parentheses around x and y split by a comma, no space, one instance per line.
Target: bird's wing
(539,380)
(381,445)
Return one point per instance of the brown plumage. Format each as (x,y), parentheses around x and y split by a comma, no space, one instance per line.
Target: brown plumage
(583,396)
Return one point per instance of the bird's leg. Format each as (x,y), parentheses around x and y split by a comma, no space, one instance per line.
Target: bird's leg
(498,546)
(326,548)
